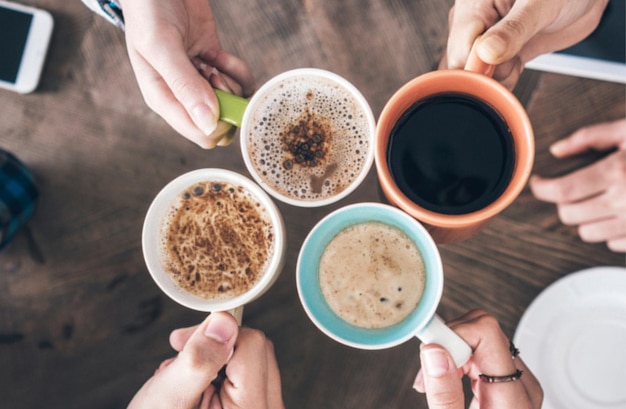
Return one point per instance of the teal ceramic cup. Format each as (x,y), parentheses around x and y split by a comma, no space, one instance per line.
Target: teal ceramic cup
(422,322)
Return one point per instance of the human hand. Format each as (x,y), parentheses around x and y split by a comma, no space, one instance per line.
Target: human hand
(440,379)
(592,198)
(177,58)
(516,31)
(184,382)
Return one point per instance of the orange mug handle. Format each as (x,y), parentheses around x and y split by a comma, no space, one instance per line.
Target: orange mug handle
(475,64)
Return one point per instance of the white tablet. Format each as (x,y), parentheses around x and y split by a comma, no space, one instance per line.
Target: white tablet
(600,56)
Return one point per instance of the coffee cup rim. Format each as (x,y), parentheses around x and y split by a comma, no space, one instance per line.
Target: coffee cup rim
(362,102)
(317,308)
(471,81)
(152,226)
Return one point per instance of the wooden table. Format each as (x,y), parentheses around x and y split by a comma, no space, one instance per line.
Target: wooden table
(82,325)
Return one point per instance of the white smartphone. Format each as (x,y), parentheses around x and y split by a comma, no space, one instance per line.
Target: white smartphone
(24,37)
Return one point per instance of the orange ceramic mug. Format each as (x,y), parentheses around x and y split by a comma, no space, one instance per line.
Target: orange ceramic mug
(435,155)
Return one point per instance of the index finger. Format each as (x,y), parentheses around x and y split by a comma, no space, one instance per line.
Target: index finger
(161,99)
(247,371)
(467,21)
(580,184)
(601,136)
(189,88)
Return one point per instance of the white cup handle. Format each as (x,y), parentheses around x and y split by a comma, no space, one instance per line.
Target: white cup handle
(237,312)
(437,332)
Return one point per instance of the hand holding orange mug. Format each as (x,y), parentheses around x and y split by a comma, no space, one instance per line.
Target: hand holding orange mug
(453,149)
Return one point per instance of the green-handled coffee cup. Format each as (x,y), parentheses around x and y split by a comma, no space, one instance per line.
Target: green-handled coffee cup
(307,136)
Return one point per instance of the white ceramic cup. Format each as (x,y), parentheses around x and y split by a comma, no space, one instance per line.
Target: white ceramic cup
(151,238)
(422,322)
(288,96)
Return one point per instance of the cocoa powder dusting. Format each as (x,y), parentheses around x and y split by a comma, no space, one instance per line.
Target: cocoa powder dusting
(306,141)
(217,240)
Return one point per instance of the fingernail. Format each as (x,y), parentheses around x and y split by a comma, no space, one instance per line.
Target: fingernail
(220,328)
(204,118)
(556,148)
(490,49)
(435,362)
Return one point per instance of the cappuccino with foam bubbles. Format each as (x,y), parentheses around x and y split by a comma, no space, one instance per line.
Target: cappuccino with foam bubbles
(216,240)
(309,137)
(372,275)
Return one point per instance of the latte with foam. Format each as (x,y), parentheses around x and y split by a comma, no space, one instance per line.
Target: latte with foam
(216,240)
(308,138)
(372,275)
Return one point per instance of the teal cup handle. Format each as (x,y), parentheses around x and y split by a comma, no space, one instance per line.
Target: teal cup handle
(232,107)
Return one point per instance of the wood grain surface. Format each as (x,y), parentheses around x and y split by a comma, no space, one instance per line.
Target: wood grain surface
(82,325)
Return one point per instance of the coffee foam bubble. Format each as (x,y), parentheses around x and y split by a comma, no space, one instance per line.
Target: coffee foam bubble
(289,116)
(216,241)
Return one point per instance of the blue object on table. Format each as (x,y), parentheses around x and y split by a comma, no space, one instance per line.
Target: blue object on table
(18,196)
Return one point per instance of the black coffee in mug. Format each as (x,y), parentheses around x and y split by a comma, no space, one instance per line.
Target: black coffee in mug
(451,153)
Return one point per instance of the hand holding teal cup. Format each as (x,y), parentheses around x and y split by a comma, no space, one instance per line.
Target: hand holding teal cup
(421,322)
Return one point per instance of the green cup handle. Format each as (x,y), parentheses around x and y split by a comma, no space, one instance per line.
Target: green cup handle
(232,107)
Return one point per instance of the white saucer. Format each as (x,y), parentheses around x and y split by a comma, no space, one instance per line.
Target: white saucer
(573,338)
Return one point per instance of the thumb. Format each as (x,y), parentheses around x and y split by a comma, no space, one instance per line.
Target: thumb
(505,39)
(442,382)
(209,348)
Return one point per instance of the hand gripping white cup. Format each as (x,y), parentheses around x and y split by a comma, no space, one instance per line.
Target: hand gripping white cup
(307,136)
(420,321)
(213,240)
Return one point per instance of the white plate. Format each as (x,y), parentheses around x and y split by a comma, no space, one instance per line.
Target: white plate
(573,338)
